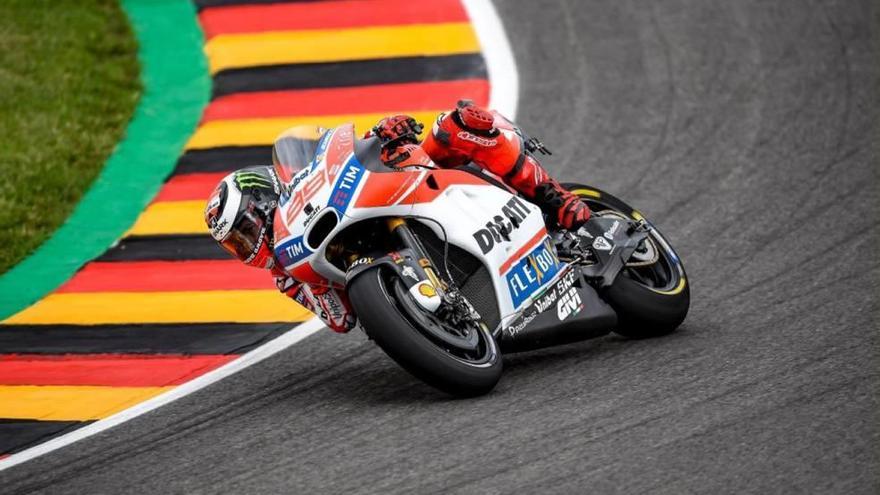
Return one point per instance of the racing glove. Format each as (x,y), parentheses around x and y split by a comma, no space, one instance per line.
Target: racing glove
(398,130)
(399,135)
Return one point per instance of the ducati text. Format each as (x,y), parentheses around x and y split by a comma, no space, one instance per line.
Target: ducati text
(498,230)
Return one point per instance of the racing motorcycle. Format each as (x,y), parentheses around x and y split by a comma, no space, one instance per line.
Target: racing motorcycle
(446,269)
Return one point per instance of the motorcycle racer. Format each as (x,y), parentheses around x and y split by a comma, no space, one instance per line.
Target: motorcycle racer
(240,211)
(470,134)
(239,215)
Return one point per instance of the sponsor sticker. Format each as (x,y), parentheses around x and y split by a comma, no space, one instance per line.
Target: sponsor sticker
(408,271)
(609,234)
(498,229)
(301,176)
(366,260)
(601,244)
(532,272)
(291,251)
(218,228)
(467,136)
(569,304)
(427,289)
(346,185)
(311,212)
(249,180)
(561,294)
(522,322)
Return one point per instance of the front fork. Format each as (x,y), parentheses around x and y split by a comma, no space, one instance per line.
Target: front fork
(447,303)
(415,268)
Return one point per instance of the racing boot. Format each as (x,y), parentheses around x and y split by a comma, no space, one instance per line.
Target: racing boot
(470,134)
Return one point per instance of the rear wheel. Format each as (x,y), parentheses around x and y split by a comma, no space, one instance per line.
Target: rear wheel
(651,295)
(409,335)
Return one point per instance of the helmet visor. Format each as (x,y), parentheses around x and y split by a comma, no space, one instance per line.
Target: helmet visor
(246,237)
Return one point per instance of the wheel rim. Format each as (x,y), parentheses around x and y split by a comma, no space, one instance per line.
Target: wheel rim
(486,350)
(664,276)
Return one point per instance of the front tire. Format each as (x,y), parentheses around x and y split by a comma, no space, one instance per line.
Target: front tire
(384,319)
(650,301)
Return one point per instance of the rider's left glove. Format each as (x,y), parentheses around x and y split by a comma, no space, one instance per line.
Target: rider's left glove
(398,130)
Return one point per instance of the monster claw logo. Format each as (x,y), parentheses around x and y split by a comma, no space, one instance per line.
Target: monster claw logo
(252,179)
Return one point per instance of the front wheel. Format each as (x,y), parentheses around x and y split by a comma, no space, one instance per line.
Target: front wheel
(651,295)
(388,315)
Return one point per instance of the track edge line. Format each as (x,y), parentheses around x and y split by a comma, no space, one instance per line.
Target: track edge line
(504,94)
(500,62)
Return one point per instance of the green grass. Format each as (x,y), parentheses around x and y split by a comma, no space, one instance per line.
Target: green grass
(68,86)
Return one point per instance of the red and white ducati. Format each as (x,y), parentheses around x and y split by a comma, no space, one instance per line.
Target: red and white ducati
(445,268)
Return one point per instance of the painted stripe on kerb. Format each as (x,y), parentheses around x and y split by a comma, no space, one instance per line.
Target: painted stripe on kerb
(335,45)
(223,159)
(419,96)
(327,15)
(352,73)
(154,276)
(189,187)
(23,433)
(110,370)
(204,4)
(237,306)
(207,338)
(67,403)
(269,349)
(165,248)
(172,217)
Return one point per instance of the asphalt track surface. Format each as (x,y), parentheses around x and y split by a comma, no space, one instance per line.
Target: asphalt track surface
(747,130)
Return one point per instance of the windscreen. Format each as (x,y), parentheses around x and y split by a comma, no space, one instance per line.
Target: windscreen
(294,150)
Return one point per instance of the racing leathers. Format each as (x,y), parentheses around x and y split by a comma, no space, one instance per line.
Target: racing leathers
(468,134)
(471,134)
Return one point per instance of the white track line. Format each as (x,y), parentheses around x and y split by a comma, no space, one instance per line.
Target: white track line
(500,62)
(504,97)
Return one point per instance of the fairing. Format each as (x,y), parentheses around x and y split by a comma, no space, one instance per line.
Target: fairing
(294,150)
(506,233)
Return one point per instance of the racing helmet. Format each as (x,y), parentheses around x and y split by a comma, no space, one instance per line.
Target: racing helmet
(239,214)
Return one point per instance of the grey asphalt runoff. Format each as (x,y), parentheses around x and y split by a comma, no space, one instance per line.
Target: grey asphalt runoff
(747,130)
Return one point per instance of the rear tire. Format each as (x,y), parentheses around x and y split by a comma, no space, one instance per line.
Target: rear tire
(383,319)
(643,313)
(643,309)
